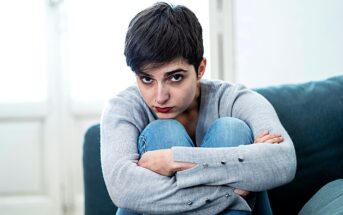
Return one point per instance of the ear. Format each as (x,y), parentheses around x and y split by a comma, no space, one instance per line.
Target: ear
(202,68)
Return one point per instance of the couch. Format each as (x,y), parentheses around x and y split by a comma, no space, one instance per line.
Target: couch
(311,112)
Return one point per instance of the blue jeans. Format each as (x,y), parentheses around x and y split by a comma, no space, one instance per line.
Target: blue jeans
(224,132)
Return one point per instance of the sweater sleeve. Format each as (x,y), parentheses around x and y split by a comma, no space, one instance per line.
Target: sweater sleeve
(253,167)
(142,190)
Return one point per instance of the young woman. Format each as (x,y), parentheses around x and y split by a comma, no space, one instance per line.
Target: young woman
(178,144)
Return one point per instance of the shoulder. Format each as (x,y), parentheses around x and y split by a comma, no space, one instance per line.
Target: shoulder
(223,90)
(126,99)
(130,95)
(129,106)
(224,96)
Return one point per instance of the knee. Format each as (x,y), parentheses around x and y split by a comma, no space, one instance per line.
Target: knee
(163,128)
(232,130)
(163,134)
(231,124)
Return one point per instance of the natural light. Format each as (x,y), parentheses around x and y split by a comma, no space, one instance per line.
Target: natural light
(86,50)
(22,52)
(96,34)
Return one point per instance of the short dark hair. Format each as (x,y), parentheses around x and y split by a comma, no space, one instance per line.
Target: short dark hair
(162,33)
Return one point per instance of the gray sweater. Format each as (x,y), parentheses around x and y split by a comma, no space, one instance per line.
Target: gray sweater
(204,189)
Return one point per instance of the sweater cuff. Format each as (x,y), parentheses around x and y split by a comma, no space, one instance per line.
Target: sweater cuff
(207,155)
(213,167)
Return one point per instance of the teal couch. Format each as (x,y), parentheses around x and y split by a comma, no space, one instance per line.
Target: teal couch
(312,113)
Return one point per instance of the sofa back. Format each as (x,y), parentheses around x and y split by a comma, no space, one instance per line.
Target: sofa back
(312,113)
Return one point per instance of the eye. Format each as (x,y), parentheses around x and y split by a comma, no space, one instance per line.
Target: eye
(176,77)
(146,80)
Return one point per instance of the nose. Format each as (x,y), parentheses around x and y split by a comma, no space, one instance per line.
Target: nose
(162,95)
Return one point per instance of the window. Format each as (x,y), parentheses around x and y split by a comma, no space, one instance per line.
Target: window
(22,52)
(95,44)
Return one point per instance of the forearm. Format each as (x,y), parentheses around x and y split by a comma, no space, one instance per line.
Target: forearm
(254,167)
(141,190)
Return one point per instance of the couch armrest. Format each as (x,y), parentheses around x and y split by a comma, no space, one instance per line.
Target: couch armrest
(97,200)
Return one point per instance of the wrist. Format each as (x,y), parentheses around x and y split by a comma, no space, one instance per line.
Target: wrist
(178,165)
(184,165)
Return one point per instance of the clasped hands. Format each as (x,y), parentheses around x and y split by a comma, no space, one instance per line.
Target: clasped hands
(161,161)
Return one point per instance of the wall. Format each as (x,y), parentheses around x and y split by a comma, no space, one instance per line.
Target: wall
(289,41)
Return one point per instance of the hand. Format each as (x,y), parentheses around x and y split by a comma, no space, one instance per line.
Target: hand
(242,193)
(161,161)
(265,137)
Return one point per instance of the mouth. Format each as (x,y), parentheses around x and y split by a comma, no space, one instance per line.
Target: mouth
(163,110)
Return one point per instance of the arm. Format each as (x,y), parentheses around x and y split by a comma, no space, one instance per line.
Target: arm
(161,161)
(253,167)
(140,189)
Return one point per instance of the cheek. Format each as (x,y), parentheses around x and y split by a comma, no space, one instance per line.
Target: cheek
(148,97)
(187,94)
(192,92)
(146,94)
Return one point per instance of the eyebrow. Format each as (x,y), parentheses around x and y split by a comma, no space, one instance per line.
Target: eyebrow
(166,74)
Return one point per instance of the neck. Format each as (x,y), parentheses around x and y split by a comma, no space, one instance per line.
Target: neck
(191,113)
(194,107)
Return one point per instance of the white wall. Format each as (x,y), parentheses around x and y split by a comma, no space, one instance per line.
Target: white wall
(285,41)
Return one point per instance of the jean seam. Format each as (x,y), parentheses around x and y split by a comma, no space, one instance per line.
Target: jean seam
(143,144)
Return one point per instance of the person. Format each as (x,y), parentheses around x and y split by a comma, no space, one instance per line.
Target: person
(176,143)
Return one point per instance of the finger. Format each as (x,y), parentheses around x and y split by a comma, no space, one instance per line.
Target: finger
(263,134)
(258,138)
(242,193)
(266,138)
(275,140)
(269,136)
(238,191)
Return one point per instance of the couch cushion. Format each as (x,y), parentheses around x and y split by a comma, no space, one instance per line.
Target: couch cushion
(327,201)
(312,113)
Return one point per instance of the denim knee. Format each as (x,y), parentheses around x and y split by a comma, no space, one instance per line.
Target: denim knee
(163,134)
(228,132)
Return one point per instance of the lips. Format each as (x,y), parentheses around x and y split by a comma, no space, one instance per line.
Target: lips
(163,110)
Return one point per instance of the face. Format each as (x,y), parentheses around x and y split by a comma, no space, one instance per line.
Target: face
(171,89)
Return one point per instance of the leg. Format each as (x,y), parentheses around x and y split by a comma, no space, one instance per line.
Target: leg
(163,134)
(160,134)
(227,132)
(231,132)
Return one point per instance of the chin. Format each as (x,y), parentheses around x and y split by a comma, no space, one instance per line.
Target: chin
(166,115)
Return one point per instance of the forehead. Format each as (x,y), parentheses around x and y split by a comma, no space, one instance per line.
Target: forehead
(162,68)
